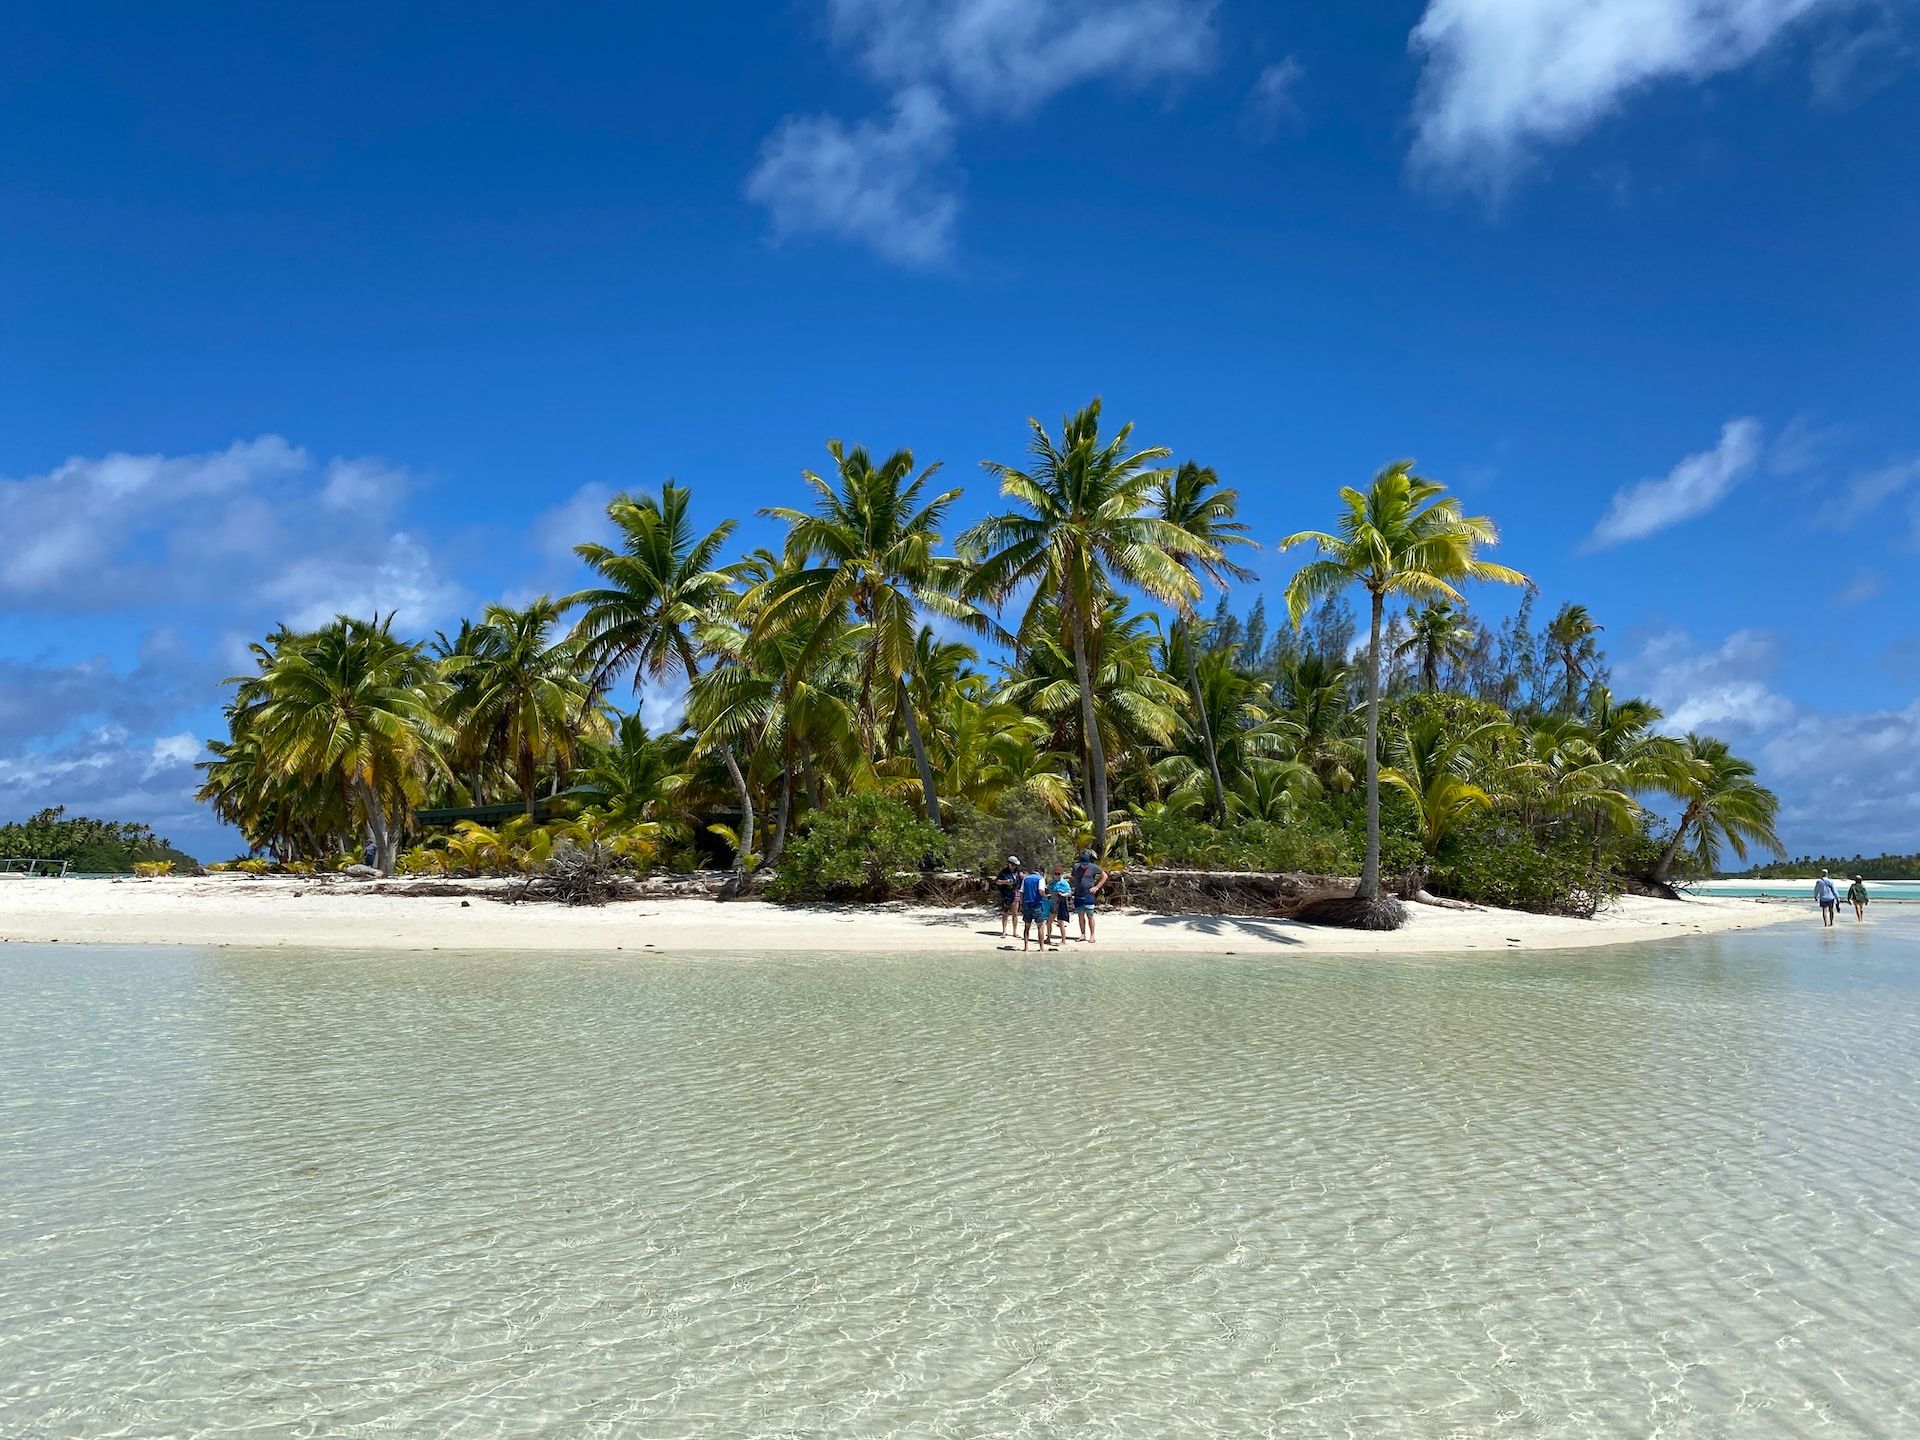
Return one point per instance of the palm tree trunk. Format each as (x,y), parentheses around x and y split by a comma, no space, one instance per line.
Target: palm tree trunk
(1370,868)
(927,790)
(1206,725)
(378,831)
(779,844)
(1672,852)
(1090,734)
(745,848)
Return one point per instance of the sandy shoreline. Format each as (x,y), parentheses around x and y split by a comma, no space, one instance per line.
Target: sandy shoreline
(273,912)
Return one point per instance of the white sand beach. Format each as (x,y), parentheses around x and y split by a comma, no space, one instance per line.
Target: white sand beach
(305,912)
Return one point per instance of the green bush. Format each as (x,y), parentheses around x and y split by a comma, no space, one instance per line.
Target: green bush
(1512,868)
(852,849)
(981,840)
(1185,842)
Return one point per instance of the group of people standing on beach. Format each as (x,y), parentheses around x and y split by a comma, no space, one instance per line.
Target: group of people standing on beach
(1034,900)
(1828,894)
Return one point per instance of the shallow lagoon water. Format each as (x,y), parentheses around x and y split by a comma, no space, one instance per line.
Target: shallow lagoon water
(1667,1190)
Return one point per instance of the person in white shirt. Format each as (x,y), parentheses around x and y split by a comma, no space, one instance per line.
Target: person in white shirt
(1829,897)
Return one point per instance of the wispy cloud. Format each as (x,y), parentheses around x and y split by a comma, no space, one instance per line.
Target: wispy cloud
(1274,100)
(891,183)
(998,57)
(881,184)
(1865,585)
(1503,79)
(1691,488)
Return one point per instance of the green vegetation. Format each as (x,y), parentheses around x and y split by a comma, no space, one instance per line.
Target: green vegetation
(95,847)
(1879,867)
(838,731)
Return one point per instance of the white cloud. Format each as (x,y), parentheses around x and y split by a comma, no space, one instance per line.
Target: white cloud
(67,527)
(1273,100)
(1505,78)
(1691,488)
(579,519)
(1849,783)
(881,184)
(890,183)
(398,575)
(1722,691)
(1012,56)
(253,527)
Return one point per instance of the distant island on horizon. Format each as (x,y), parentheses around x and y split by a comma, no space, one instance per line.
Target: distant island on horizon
(1880,867)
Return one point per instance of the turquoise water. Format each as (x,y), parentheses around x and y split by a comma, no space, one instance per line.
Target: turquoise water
(1878,891)
(1669,1190)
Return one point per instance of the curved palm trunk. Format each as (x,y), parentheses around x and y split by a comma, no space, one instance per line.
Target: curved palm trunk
(745,849)
(1672,852)
(386,843)
(1370,869)
(927,790)
(1090,734)
(1206,726)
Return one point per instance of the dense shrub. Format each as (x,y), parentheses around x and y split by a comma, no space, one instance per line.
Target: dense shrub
(851,850)
(1516,870)
(981,840)
(1186,842)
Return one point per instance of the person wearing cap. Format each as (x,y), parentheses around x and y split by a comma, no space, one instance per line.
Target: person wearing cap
(1007,883)
(1088,878)
(1857,894)
(1829,898)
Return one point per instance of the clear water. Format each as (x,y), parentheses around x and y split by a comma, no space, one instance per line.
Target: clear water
(1673,1190)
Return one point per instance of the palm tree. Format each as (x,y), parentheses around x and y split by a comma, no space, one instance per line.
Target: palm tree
(1724,806)
(354,707)
(662,589)
(1401,536)
(1432,761)
(520,694)
(1438,634)
(1571,633)
(1084,526)
(868,547)
(1315,696)
(1192,500)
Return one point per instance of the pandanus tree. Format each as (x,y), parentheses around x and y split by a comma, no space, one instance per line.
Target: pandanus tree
(1401,536)
(661,588)
(1724,807)
(1193,501)
(867,549)
(1082,527)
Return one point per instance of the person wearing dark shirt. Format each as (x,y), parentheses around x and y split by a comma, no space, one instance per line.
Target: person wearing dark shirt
(1088,879)
(1857,895)
(1007,885)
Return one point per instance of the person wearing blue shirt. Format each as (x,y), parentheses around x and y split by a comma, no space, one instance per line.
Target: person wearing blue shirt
(1033,906)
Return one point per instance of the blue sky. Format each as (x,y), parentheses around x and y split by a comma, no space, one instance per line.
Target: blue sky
(310,309)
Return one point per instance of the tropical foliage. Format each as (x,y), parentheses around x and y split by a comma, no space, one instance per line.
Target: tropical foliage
(875,692)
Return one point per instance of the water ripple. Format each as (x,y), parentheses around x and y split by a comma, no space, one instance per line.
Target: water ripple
(1669,1191)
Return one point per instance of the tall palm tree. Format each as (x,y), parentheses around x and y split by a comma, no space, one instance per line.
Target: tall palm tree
(520,694)
(1084,526)
(1571,633)
(1724,806)
(1403,535)
(867,547)
(354,707)
(662,589)
(1193,501)
(1438,634)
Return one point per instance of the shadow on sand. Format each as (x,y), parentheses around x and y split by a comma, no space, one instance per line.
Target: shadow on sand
(1260,928)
